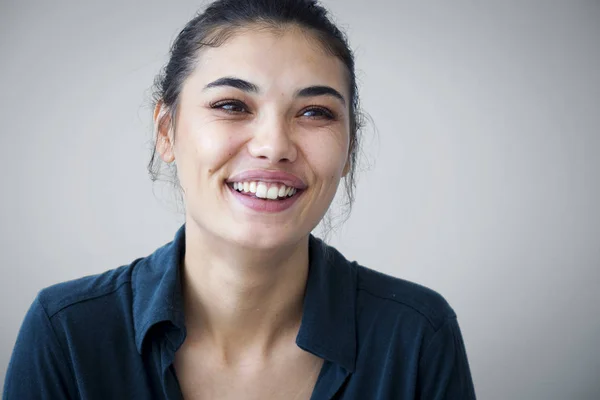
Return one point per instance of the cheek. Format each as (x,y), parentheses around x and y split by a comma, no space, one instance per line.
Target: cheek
(207,147)
(200,151)
(326,154)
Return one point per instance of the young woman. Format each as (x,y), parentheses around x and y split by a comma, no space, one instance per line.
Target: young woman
(258,110)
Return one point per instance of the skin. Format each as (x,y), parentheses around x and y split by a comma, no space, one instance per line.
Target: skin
(244,272)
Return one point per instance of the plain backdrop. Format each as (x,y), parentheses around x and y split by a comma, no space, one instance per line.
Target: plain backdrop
(483,179)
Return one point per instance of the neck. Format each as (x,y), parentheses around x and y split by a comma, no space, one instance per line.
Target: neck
(242,300)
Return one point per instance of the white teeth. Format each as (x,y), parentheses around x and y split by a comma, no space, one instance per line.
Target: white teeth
(265,190)
(273,192)
(261,190)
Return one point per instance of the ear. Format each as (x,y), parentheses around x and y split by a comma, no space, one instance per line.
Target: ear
(348,165)
(164,137)
(346,168)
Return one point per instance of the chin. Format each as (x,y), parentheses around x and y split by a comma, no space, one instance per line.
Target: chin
(253,233)
(266,237)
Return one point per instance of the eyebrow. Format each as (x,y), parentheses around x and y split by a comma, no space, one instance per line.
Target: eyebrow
(245,86)
(313,91)
(235,83)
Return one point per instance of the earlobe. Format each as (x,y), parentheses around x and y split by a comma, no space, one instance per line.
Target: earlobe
(164,148)
(164,143)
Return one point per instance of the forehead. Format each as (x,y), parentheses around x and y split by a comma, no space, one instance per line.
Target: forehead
(283,60)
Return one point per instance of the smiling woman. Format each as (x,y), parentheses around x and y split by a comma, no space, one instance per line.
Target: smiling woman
(265,108)
(258,110)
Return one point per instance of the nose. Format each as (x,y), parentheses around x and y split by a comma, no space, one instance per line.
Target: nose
(272,141)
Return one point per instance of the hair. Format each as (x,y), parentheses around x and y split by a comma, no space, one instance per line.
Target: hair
(223,18)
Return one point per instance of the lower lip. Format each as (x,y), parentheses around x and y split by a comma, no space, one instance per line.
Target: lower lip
(262,205)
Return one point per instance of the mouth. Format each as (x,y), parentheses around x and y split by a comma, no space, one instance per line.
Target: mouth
(265,197)
(270,191)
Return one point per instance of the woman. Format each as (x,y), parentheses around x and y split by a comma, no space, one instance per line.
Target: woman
(258,109)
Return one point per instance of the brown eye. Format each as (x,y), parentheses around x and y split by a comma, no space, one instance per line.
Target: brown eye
(317,113)
(230,106)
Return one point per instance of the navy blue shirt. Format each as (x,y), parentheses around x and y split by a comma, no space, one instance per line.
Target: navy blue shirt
(114,335)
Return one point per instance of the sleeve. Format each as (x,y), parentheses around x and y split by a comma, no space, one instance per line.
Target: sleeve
(444,372)
(38,368)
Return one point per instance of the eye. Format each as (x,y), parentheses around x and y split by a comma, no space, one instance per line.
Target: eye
(230,106)
(314,112)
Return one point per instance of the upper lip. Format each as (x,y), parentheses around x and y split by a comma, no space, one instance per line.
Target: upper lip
(265,175)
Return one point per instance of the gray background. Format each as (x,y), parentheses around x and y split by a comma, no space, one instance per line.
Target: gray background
(484,180)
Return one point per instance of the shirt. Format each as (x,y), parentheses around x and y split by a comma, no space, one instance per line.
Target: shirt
(114,335)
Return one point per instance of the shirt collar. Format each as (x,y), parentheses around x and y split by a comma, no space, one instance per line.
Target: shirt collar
(156,288)
(328,327)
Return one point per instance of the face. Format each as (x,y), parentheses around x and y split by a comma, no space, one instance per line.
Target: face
(261,138)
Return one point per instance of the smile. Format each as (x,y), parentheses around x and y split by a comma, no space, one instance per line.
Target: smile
(264,190)
(264,197)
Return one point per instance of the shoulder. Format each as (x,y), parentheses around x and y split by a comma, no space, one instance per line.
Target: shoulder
(86,290)
(402,297)
(83,316)
(382,298)
(75,327)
